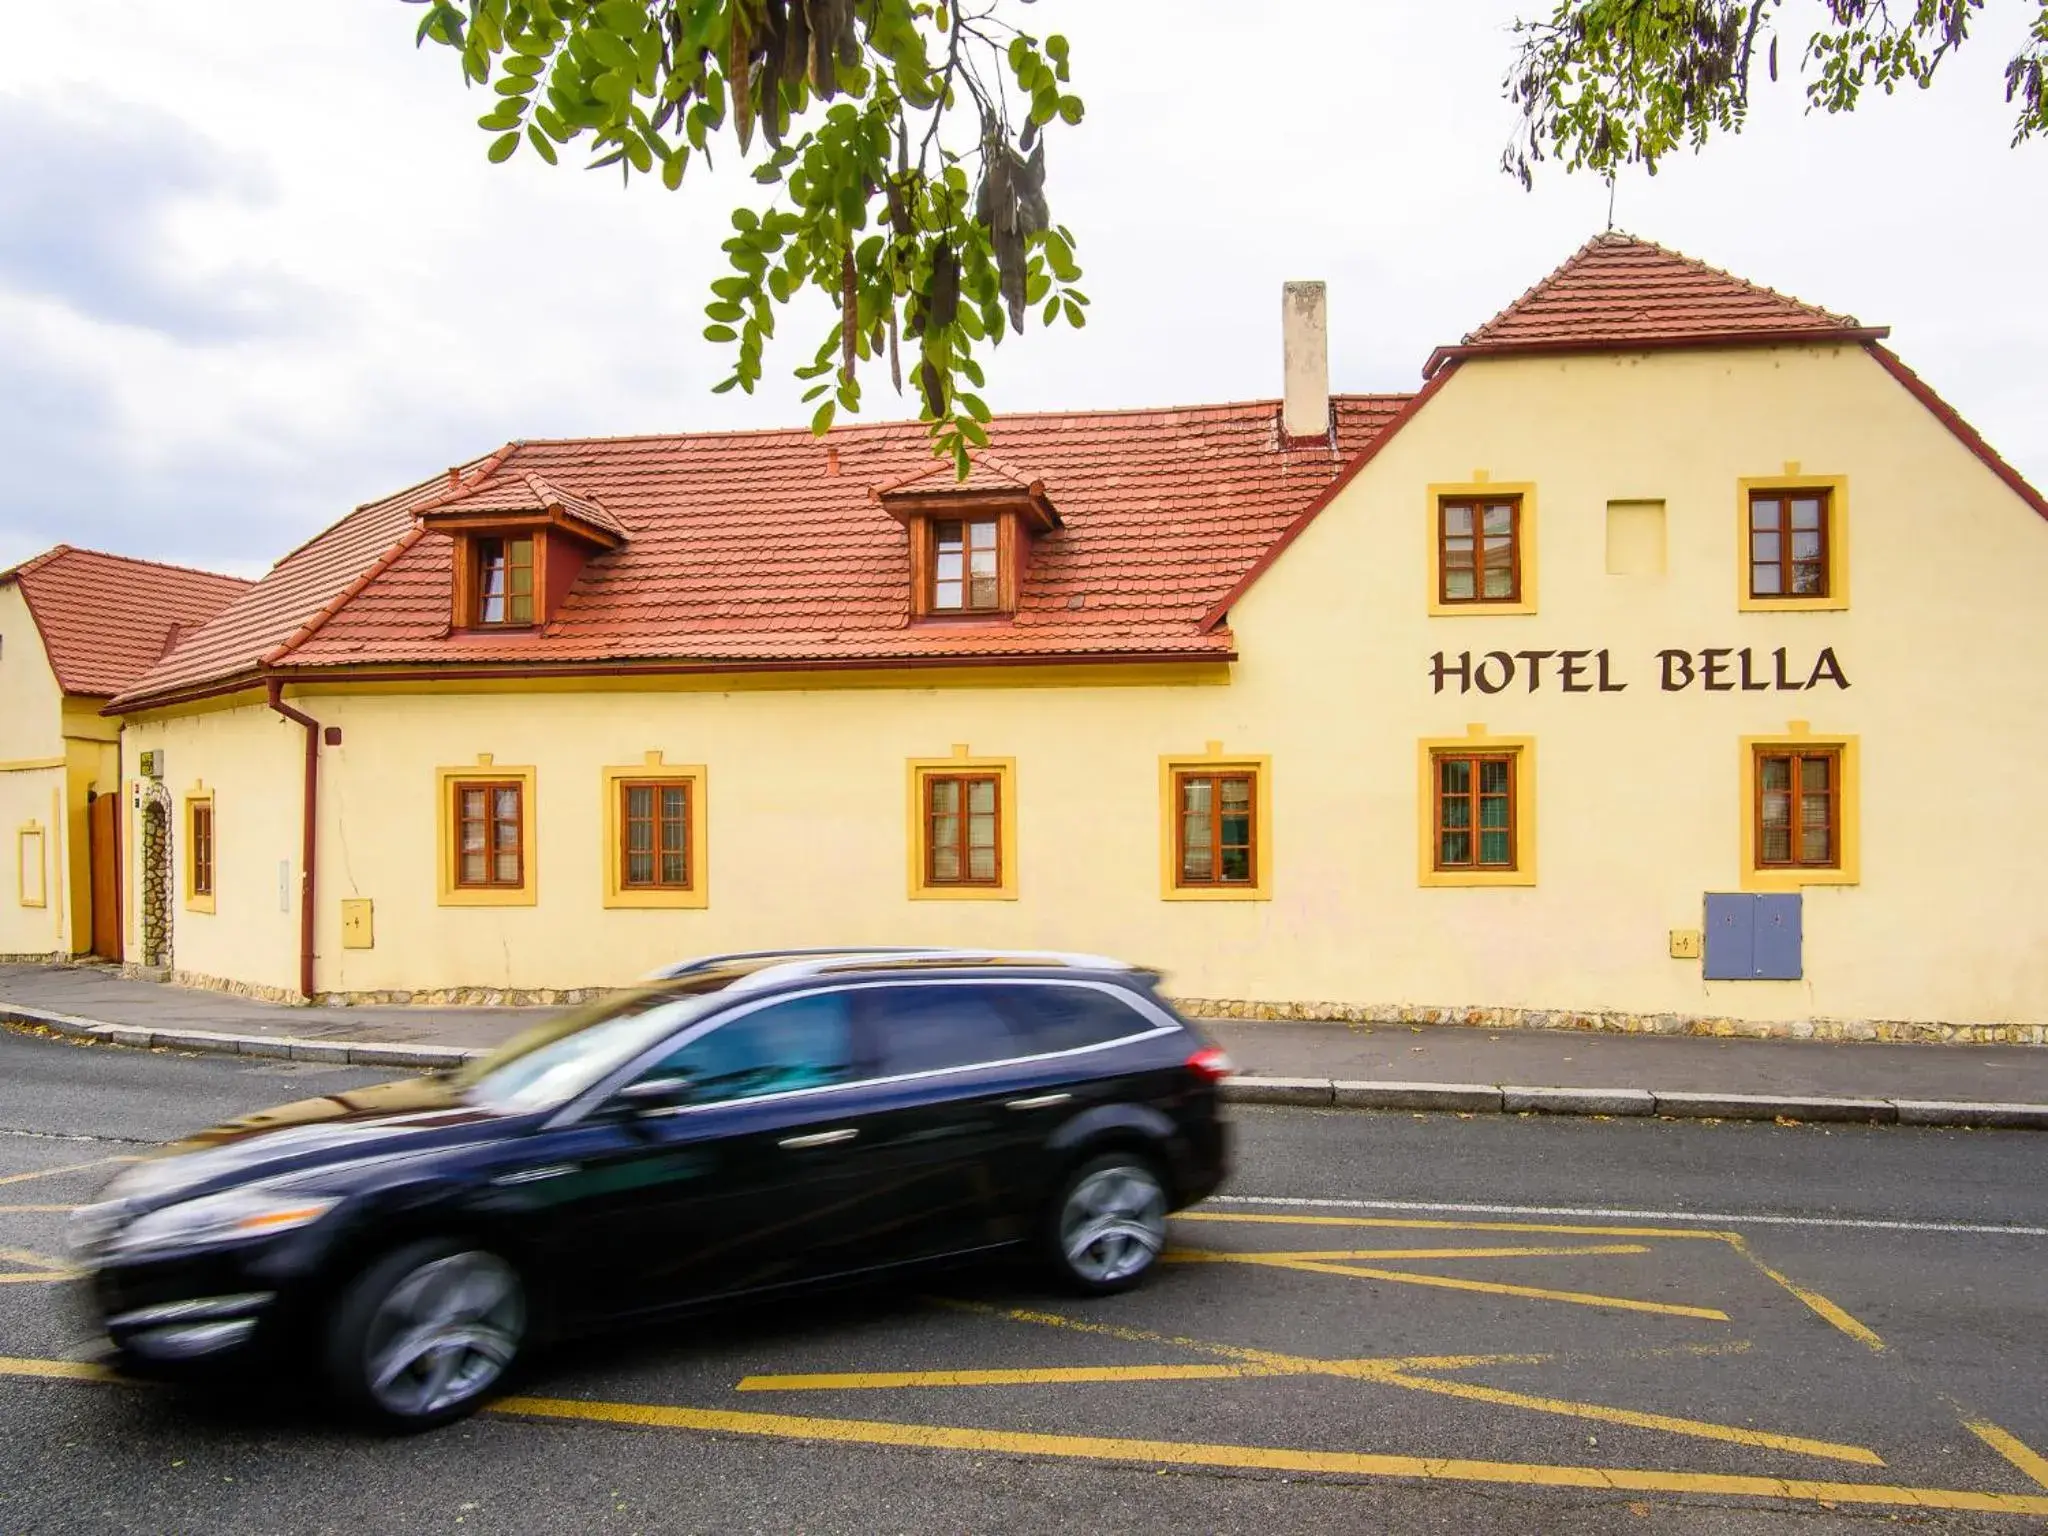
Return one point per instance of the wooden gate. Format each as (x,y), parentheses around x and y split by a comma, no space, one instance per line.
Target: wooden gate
(103,852)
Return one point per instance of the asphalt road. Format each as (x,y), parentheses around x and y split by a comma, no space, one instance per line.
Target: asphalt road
(1398,1323)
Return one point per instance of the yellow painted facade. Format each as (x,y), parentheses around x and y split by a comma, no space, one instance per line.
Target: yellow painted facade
(1346,678)
(55,752)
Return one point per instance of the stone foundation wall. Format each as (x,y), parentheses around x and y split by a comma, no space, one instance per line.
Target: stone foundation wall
(1897,1031)
(467,997)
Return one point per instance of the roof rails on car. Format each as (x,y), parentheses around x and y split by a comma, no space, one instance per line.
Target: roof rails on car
(935,957)
(741,956)
(790,964)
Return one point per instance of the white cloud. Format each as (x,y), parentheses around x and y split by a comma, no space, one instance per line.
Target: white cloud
(383,302)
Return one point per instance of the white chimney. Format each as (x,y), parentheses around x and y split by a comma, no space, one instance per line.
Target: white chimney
(1305,359)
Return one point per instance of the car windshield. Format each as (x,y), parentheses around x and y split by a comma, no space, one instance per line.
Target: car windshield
(553,1062)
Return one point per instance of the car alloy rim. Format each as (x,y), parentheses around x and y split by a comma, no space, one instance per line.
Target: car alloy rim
(1114,1222)
(444,1334)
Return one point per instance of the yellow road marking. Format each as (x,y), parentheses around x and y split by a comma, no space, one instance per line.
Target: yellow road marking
(16,1210)
(1700,1429)
(51,1173)
(863,1381)
(1265,1458)
(64,1370)
(1449,1283)
(1813,1299)
(1447,1226)
(1198,1454)
(1348,1254)
(1395,1373)
(40,1266)
(2013,1449)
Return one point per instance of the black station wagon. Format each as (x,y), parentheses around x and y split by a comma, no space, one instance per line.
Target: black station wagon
(735,1126)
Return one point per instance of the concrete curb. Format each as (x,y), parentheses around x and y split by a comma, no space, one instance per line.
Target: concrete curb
(1312,1092)
(355,1053)
(1512,1099)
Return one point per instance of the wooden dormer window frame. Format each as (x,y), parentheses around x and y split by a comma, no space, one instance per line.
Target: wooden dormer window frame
(504,579)
(966,566)
(969,550)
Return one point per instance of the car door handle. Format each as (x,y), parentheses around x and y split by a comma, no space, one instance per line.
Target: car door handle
(820,1139)
(1041,1101)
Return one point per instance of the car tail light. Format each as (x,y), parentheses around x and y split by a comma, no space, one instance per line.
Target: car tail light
(1211,1062)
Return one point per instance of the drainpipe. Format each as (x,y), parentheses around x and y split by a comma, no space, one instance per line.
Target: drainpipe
(309,820)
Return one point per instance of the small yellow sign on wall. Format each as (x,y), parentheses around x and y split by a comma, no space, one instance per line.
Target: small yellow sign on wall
(1685,943)
(357,927)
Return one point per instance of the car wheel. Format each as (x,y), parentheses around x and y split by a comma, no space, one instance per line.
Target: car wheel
(1107,1224)
(422,1336)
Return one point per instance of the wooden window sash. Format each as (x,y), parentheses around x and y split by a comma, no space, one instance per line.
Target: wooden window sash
(1796,797)
(1781,528)
(202,849)
(668,836)
(1477,506)
(494,844)
(961,844)
(509,559)
(976,536)
(1214,827)
(1473,800)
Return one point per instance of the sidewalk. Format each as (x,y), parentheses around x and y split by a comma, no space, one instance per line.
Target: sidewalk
(1311,1063)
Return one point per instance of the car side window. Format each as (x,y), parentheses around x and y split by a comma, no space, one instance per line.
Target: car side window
(938,1025)
(1060,1018)
(806,1042)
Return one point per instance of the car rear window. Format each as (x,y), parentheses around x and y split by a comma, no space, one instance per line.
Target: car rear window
(936,1025)
(1058,1018)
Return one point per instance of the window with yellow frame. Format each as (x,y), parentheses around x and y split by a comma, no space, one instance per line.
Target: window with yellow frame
(1793,540)
(1801,810)
(1482,547)
(200,859)
(1215,827)
(1476,809)
(485,819)
(655,848)
(962,832)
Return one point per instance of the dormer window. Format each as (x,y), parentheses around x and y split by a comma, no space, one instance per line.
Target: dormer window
(504,582)
(966,565)
(970,540)
(518,545)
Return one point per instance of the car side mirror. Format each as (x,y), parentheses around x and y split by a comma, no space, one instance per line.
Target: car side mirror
(653,1094)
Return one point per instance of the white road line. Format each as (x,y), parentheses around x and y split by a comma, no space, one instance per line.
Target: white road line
(1601,1213)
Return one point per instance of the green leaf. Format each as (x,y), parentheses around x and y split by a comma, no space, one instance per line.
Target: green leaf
(726,385)
(540,144)
(502,147)
(1070,109)
(821,423)
(726,311)
(720,333)
(1074,316)
(672,169)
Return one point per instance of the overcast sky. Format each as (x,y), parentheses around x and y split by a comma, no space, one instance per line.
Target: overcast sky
(254,268)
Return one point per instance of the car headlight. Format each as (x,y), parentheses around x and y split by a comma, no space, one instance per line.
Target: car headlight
(235,1215)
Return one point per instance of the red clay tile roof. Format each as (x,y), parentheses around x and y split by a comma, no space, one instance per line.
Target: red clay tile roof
(106,619)
(746,550)
(517,492)
(291,595)
(1618,292)
(985,472)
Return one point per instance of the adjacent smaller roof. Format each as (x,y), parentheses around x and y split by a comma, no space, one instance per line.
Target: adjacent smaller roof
(1618,293)
(107,619)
